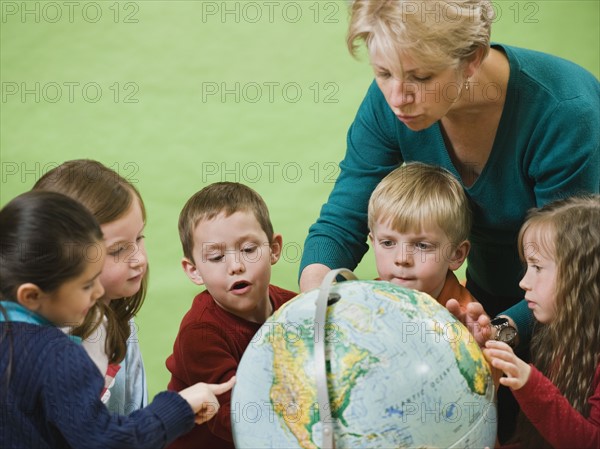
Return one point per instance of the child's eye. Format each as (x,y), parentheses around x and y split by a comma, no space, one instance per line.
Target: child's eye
(387,243)
(116,251)
(249,249)
(215,258)
(140,238)
(424,246)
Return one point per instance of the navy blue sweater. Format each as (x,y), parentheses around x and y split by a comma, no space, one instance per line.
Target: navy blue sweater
(52,398)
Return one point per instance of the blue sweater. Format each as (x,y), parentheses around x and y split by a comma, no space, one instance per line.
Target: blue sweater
(546,147)
(52,399)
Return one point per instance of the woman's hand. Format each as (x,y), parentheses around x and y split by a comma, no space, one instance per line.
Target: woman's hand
(203,398)
(502,357)
(474,318)
(312,276)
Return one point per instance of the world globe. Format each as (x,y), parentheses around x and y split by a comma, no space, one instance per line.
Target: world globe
(382,367)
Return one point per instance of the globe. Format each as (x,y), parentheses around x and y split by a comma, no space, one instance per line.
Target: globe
(398,371)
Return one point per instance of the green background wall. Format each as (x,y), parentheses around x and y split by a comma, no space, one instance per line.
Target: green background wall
(175,95)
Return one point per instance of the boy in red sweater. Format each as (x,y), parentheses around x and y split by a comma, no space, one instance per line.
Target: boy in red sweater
(229,247)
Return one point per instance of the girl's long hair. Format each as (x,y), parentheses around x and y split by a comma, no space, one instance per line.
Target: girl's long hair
(108,196)
(567,350)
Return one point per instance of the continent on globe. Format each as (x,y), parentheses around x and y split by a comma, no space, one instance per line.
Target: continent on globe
(401,372)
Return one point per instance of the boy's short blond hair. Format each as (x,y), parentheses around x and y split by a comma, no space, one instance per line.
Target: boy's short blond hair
(416,195)
(220,197)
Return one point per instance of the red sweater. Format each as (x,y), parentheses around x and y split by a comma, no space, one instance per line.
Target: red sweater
(560,424)
(208,348)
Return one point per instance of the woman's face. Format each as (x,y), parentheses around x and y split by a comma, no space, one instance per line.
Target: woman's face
(419,97)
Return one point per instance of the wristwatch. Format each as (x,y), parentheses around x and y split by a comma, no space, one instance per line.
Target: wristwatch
(504,331)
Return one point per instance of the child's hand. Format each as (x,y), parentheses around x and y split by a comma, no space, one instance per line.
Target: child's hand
(203,398)
(502,357)
(474,318)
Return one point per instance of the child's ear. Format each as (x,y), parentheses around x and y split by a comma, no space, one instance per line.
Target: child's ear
(371,237)
(276,247)
(191,271)
(30,296)
(459,255)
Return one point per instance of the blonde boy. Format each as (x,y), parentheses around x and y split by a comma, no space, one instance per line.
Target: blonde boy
(229,247)
(419,221)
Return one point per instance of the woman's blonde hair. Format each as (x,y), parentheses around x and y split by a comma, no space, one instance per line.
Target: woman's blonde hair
(567,350)
(108,196)
(418,194)
(440,33)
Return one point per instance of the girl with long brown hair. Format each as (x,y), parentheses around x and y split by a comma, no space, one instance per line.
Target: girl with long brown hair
(107,330)
(559,393)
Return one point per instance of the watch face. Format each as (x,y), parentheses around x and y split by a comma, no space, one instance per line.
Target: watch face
(507,334)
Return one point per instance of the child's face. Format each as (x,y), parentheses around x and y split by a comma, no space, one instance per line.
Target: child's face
(70,303)
(539,281)
(126,260)
(233,259)
(417,260)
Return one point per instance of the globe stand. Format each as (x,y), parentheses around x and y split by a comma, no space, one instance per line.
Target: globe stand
(323,301)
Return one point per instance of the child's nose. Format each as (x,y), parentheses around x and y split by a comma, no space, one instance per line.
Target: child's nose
(524,283)
(403,256)
(235,264)
(138,256)
(99,290)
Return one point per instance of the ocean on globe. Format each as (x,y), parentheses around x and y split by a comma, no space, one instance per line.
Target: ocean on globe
(401,372)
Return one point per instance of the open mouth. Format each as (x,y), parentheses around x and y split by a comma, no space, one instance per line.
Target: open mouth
(240,285)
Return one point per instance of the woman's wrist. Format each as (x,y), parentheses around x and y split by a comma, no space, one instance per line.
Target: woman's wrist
(503,328)
(312,275)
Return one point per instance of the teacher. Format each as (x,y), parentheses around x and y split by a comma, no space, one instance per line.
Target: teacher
(518,128)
